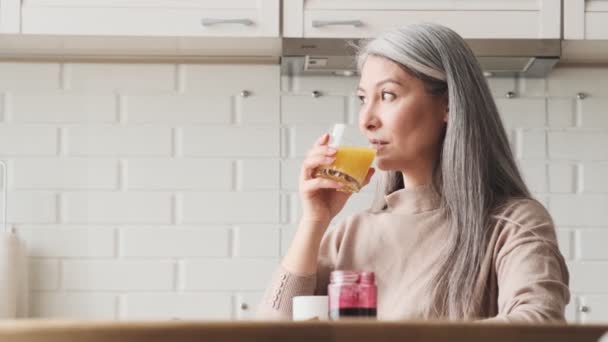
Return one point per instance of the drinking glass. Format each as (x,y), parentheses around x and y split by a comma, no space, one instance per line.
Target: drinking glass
(354,157)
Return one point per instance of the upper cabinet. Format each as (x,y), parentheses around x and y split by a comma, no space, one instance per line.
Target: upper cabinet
(9,16)
(586,19)
(161,18)
(473,19)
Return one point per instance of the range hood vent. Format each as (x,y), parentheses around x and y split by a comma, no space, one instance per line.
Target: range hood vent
(498,57)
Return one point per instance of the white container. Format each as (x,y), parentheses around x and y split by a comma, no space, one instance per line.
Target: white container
(310,308)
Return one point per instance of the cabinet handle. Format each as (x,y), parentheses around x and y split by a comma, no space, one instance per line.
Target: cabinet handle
(212,22)
(325,23)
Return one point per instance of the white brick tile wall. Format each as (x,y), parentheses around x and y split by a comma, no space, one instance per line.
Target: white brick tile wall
(595,178)
(226,274)
(567,82)
(584,276)
(28,140)
(230,80)
(4,103)
(205,306)
(535,175)
(587,145)
(162,173)
(117,207)
(290,173)
(236,141)
(119,141)
(73,242)
(65,173)
(174,242)
(594,115)
(325,85)
(572,310)
(157,191)
(258,110)
(592,244)
(257,241)
(79,306)
(530,87)
(303,137)
(121,77)
(561,112)
(534,144)
(522,112)
(580,210)
(32,207)
(193,109)
(309,110)
(30,76)
(258,174)
(565,241)
(562,178)
(227,207)
(62,106)
(118,275)
(501,86)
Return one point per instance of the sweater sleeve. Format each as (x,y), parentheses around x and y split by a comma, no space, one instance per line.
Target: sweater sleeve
(531,272)
(276,303)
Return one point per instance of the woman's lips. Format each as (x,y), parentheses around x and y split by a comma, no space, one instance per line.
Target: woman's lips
(378,144)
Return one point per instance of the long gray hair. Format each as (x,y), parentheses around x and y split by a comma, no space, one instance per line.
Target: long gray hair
(475,169)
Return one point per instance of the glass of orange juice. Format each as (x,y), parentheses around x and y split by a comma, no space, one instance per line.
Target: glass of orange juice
(354,157)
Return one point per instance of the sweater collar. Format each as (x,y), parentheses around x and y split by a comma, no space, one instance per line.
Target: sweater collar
(414,200)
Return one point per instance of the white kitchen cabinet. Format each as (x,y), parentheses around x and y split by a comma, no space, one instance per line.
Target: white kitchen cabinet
(9,16)
(594,309)
(586,19)
(162,18)
(473,19)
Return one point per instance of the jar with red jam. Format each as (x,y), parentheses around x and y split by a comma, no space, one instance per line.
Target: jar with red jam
(352,294)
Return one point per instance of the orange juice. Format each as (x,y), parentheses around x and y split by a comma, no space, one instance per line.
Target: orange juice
(350,167)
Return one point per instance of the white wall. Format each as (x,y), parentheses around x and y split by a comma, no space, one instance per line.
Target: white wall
(157,191)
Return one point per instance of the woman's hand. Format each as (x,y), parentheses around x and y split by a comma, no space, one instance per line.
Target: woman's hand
(321,201)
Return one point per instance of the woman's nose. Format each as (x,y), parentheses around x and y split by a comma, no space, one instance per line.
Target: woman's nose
(368,121)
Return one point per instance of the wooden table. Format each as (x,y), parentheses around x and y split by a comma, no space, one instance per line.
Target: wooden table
(187,331)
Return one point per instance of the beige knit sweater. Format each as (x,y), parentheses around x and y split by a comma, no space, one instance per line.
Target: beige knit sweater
(523,276)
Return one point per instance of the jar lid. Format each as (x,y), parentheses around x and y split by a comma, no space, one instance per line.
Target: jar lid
(344,277)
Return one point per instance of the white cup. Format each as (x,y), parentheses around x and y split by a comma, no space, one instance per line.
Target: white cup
(310,307)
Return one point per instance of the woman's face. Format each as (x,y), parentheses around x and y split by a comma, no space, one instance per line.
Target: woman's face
(402,120)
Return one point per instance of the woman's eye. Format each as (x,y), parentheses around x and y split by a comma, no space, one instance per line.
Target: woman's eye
(388,96)
(361,98)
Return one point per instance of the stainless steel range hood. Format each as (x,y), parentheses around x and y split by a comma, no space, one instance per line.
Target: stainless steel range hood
(498,57)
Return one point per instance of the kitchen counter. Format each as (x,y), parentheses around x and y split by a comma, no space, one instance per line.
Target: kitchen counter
(182,331)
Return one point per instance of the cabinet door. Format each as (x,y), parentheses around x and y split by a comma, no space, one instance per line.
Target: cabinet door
(204,18)
(525,19)
(594,309)
(9,16)
(586,19)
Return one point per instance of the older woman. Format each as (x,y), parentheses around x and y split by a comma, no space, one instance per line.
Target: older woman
(454,234)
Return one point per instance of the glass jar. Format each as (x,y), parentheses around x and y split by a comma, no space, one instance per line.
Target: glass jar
(352,295)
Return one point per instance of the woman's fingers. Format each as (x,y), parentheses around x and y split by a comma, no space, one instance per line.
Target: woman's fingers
(322,140)
(319,155)
(313,162)
(314,184)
